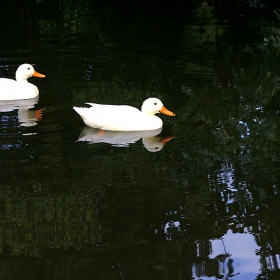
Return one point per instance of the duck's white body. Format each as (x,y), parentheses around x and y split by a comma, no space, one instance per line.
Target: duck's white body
(20,88)
(124,117)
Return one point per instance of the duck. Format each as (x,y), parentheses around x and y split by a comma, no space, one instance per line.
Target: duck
(20,88)
(124,117)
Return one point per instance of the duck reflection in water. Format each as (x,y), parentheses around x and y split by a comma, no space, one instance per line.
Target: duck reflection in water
(151,141)
(26,116)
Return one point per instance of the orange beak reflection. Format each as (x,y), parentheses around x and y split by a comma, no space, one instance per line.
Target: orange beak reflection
(166,139)
(38,75)
(166,112)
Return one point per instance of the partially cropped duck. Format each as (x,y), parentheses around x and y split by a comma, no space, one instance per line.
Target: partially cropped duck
(124,117)
(20,88)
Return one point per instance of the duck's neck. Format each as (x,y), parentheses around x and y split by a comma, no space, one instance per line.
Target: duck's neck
(21,79)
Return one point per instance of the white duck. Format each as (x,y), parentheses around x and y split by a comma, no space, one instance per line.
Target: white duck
(124,117)
(21,88)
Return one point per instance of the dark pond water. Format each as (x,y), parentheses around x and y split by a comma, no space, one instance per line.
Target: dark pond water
(203,205)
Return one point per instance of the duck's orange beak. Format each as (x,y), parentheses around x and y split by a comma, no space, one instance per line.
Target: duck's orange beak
(166,112)
(38,75)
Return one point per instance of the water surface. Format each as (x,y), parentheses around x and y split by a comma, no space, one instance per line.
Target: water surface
(202,205)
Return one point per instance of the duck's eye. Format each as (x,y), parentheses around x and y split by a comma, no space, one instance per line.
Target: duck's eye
(155,103)
(28,68)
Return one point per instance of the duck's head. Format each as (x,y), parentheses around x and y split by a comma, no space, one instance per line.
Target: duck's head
(152,106)
(26,71)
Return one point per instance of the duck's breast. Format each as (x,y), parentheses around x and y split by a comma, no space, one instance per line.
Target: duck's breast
(12,90)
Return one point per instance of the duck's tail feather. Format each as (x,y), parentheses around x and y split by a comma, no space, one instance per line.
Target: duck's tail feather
(92,104)
(79,110)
